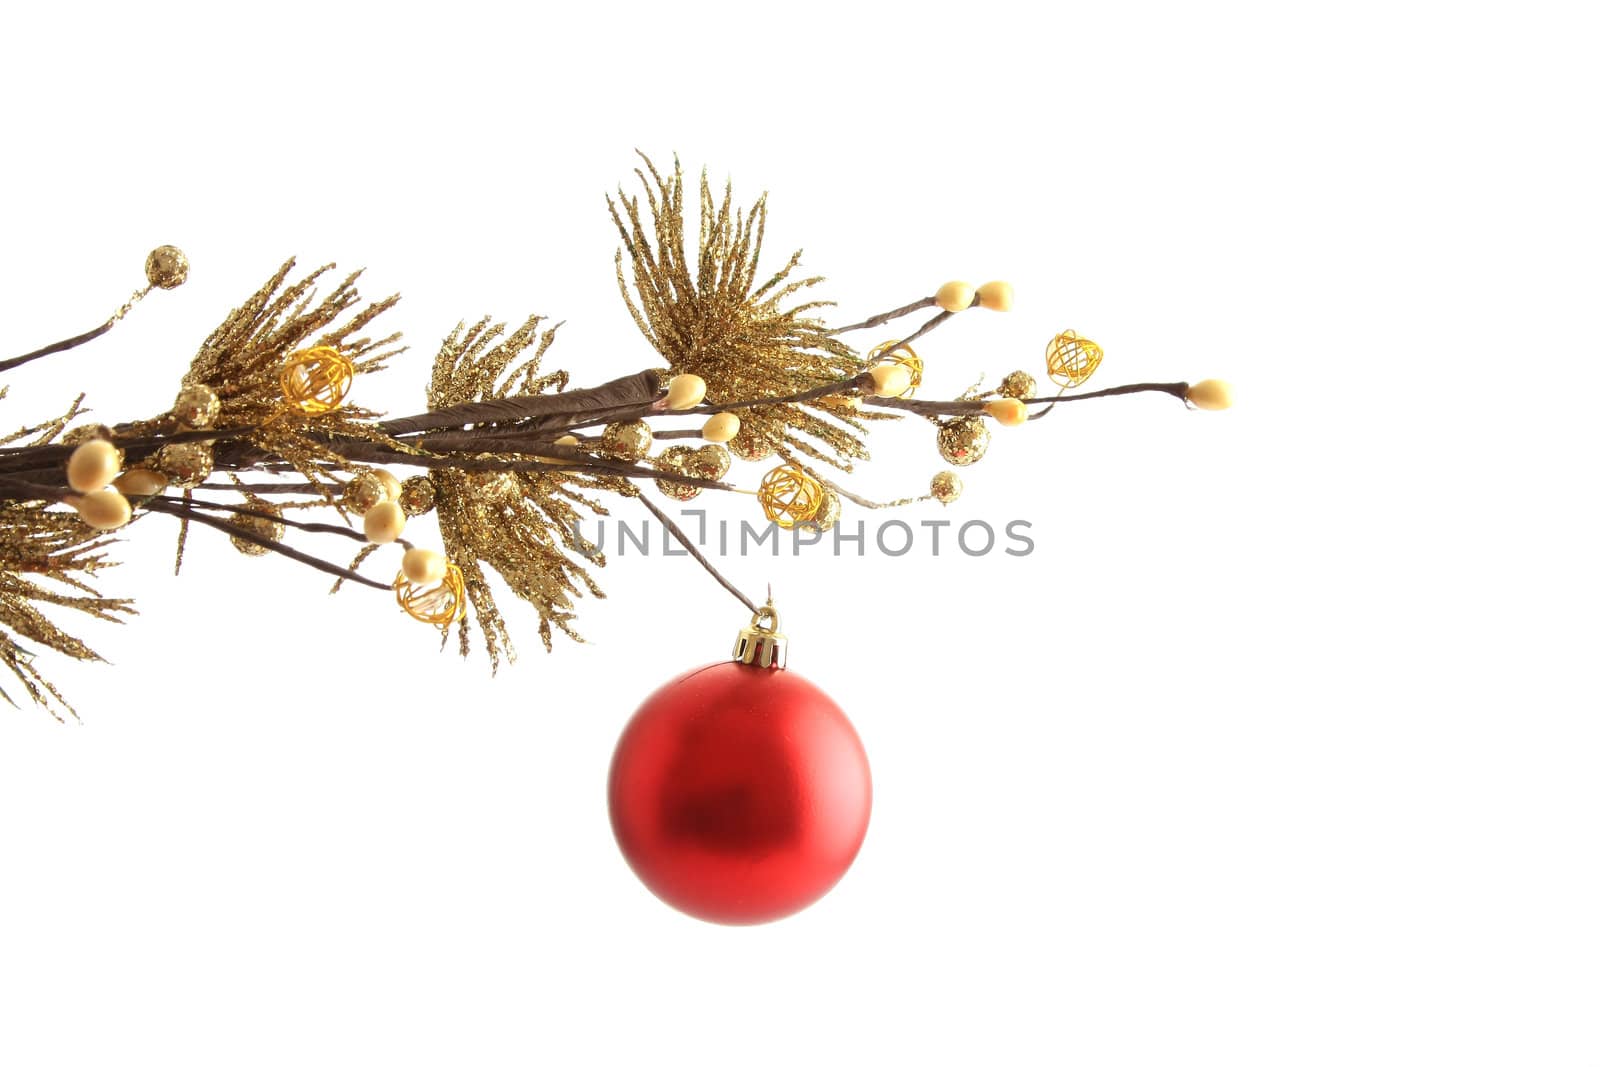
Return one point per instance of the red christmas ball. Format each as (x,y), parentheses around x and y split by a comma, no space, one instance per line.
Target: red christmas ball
(739,794)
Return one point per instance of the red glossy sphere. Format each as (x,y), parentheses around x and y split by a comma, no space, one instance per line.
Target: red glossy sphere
(738,794)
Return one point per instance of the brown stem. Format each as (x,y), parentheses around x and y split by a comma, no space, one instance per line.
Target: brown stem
(927,327)
(842,385)
(188,513)
(973,407)
(309,527)
(59,346)
(879,320)
(629,391)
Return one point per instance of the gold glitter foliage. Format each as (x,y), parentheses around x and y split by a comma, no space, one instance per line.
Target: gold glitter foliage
(243,361)
(714,317)
(526,531)
(56,546)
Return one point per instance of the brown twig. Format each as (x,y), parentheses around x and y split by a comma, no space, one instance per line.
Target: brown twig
(879,320)
(973,407)
(59,346)
(188,513)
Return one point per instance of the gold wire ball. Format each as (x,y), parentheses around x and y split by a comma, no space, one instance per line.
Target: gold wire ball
(440,603)
(963,441)
(1019,385)
(1070,359)
(789,495)
(676,459)
(260,525)
(628,441)
(417,495)
(747,444)
(892,353)
(317,380)
(166,267)
(945,487)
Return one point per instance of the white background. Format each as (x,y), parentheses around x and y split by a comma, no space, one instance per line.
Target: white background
(1280,749)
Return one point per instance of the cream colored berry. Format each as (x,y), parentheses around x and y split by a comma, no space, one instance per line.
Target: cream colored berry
(141,481)
(103,509)
(720,427)
(383,523)
(890,379)
(391,484)
(423,566)
(1007,411)
(996,296)
(1211,395)
(955,296)
(685,391)
(92,466)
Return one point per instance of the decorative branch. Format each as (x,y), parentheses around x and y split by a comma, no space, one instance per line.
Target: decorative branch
(506,456)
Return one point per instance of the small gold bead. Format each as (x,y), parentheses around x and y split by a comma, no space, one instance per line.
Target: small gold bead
(1007,411)
(166,267)
(197,406)
(996,296)
(751,445)
(685,391)
(676,458)
(963,441)
(945,487)
(955,296)
(185,463)
(92,466)
(628,441)
(103,509)
(827,512)
(417,495)
(720,427)
(708,461)
(423,566)
(383,523)
(266,525)
(1019,384)
(364,492)
(141,481)
(1211,395)
(890,379)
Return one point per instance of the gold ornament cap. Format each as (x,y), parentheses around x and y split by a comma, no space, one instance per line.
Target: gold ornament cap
(761,644)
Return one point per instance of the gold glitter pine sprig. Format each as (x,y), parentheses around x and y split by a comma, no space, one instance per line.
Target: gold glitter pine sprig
(243,360)
(518,523)
(710,318)
(56,546)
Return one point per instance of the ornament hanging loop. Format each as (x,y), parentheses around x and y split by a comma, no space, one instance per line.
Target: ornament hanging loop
(761,644)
